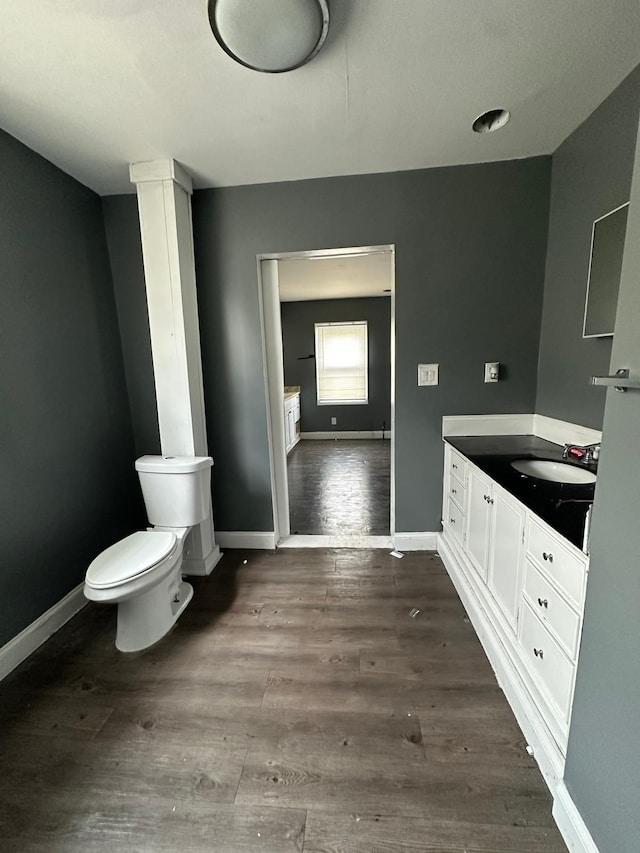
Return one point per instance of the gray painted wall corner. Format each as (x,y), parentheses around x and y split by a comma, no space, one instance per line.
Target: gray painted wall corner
(591,175)
(66,431)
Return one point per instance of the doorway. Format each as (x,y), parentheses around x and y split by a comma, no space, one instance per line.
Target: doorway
(279,274)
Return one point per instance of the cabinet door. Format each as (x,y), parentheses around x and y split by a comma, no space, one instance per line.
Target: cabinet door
(291,429)
(505,556)
(478,520)
(287,430)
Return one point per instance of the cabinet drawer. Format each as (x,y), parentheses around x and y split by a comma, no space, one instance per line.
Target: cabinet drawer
(454,520)
(457,492)
(556,560)
(457,466)
(561,620)
(548,666)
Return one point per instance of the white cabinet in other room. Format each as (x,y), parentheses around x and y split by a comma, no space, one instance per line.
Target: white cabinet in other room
(291,421)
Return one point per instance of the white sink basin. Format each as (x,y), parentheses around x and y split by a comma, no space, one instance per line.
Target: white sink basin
(555,472)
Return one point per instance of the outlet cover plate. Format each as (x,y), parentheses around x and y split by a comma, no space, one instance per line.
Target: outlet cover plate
(428,374)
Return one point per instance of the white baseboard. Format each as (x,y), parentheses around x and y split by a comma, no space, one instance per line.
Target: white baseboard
(299,540)
(570,823)
(251,539)
(415,541)
(348,434)
(27,641)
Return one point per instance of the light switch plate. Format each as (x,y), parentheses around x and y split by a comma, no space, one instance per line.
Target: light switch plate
(491,371)
(428,374)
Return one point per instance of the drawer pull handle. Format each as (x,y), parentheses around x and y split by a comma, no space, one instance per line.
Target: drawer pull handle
(543,602)
(485,498)
(455,466)
(547,556)
(490,500)
(452,521)
(454,491)
(539,653)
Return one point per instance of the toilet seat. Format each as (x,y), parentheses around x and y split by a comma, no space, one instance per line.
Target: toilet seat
(130,558)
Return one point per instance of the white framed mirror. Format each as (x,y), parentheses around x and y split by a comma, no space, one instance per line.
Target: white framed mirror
(605,267)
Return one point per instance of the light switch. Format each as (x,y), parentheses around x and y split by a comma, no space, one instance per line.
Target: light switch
(428,374)
(492,371)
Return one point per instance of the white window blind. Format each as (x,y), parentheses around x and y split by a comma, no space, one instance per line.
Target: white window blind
(341,362)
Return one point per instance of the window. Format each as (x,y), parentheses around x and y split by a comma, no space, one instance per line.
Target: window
(341,363)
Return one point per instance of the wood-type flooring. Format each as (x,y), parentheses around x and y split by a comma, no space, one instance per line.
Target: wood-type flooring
(296,706)
(340,487)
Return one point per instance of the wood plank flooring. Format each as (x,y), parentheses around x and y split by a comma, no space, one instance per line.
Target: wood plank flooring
(296,706)
(340,487)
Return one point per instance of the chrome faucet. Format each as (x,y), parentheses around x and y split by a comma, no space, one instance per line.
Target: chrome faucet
(581,452)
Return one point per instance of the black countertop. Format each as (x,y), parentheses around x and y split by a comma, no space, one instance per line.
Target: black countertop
(563,506)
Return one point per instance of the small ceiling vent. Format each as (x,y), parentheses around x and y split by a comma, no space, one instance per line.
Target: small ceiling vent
(491,120)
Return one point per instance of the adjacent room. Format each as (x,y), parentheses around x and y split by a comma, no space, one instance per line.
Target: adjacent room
(320,392)
(335,316)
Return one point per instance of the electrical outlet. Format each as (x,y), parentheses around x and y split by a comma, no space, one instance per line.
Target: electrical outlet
(334,421)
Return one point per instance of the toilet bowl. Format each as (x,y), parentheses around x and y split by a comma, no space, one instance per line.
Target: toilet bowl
(141,573)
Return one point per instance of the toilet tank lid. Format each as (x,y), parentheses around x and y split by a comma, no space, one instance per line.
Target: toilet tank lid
(173,464)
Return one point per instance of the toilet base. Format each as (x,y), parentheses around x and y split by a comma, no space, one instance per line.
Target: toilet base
(148,617)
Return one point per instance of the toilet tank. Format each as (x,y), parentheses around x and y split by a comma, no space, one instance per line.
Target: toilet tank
(176,489)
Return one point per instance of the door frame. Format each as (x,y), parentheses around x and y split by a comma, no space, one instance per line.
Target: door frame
(273,372)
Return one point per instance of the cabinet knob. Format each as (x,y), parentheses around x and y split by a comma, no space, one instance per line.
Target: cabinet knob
(490,500)
(543,602)
(539,653)
(548,556)
(485,497)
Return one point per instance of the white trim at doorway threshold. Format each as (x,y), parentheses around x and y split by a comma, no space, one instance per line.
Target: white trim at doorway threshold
(346,540)
(345,434)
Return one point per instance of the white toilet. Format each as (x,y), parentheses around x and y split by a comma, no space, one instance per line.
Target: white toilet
(141,573)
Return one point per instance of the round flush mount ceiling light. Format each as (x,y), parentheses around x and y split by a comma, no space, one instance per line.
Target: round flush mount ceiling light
(270,35)
(491,120)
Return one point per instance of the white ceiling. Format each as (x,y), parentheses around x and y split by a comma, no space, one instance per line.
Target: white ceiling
(304,279)
(96,84)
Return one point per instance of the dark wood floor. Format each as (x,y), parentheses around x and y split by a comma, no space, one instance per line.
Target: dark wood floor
(297,706)
(340,487)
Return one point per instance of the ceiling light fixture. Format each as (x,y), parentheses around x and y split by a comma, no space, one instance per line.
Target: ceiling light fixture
(491,120)
(271,36)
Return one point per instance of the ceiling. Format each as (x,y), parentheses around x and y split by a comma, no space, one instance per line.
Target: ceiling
(304,279)
(96,84)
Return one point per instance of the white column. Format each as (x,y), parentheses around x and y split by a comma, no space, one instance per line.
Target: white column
(164,203)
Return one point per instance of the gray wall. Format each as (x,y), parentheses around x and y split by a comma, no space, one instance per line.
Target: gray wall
(298,339)
(122,228)
(470,250)
(591,175)
(603,759)
(68,485)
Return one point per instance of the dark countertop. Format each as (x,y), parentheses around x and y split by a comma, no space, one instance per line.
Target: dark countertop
(563,506)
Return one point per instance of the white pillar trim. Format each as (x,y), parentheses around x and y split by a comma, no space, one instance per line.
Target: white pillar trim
(164,204)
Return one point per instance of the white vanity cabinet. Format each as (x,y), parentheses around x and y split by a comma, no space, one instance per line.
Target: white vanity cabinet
(523,585)
(291,421)
(493,537)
